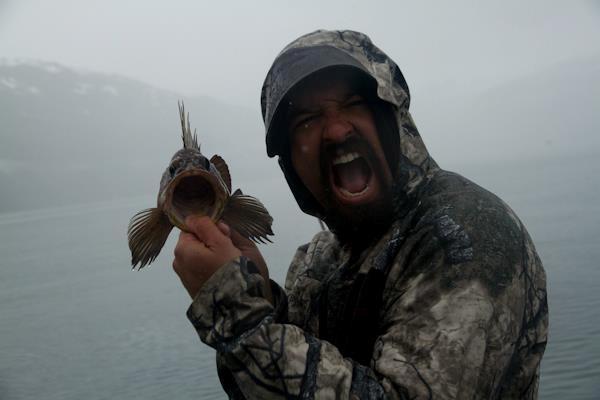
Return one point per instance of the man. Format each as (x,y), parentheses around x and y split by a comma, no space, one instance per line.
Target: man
(426,286)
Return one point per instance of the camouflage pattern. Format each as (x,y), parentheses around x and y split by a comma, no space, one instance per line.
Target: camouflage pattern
(462,313)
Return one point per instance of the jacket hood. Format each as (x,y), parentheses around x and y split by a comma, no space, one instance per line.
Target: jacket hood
(325,49)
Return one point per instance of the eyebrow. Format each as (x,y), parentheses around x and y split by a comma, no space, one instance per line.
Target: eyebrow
(295,111)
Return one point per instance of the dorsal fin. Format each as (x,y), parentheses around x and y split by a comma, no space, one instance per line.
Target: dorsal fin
(189,141)
(221,166)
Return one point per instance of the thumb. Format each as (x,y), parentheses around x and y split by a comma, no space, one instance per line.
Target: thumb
(204,229)
(224,228)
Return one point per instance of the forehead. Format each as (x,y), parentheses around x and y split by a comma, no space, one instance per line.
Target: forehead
(327,85)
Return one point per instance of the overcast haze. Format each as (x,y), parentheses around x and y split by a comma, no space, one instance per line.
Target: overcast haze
(223,49)
(505,93)
(491,76)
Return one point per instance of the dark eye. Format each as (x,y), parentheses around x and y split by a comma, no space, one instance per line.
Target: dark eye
(356,101)
(173,167)
(206,164)
(305,122)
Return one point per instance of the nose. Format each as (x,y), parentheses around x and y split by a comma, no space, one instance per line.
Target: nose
(337,128)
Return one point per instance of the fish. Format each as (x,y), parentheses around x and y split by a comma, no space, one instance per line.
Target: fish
(194,185)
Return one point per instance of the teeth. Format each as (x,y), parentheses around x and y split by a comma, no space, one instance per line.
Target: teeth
(350,194)
(345,158)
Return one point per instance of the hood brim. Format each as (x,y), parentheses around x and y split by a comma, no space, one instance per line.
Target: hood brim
(292,67)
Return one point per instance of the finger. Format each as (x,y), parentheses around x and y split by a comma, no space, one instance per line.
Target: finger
(186,240)
(224,228)
(187,236)
(176,266)
(205,229)
(189,246)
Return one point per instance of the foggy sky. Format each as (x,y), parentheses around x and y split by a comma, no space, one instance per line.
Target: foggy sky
(224,50)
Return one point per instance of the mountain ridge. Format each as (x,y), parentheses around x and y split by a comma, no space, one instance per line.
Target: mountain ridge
(70,137)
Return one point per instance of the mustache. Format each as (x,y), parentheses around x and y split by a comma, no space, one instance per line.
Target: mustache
(354,142)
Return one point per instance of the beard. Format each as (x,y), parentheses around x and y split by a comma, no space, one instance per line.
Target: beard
(359,224)
(364,224)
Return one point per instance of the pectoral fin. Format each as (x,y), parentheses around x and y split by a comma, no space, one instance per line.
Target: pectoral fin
(248,216)
(147,233)
(223,169)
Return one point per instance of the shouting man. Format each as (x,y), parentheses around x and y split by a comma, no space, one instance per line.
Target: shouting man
(426,285)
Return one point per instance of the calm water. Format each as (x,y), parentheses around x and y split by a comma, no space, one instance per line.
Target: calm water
(76,323)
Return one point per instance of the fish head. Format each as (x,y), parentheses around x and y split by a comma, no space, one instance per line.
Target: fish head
(191,185)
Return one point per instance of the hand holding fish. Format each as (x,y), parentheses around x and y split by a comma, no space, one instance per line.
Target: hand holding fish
(251,252)
(202,252)
(195,186)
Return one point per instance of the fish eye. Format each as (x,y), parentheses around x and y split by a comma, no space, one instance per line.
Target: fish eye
(173,168)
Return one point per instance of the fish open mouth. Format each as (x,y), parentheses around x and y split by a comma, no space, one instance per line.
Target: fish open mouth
(192,194)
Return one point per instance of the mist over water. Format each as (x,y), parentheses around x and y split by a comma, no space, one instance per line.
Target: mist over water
(77,323)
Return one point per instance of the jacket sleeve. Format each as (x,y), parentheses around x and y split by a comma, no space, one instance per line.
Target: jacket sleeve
(269,359)
(432,345)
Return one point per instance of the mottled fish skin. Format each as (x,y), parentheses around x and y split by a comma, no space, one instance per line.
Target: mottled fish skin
(194,185)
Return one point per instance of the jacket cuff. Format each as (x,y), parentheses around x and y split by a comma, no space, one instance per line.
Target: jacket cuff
(232,303)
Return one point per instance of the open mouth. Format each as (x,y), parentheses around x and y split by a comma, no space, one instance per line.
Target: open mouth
(192,194)
(351,175)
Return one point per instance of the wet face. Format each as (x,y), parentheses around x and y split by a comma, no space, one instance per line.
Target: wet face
(335,148)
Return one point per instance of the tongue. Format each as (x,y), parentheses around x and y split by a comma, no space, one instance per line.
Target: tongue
(352,176)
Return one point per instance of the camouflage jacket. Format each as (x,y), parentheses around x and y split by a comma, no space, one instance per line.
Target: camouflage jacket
(449,303)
